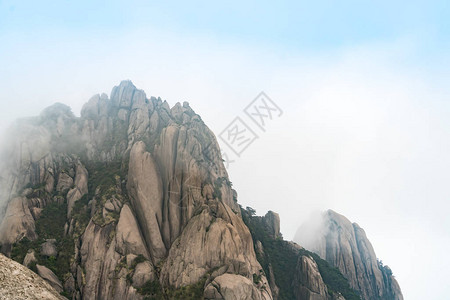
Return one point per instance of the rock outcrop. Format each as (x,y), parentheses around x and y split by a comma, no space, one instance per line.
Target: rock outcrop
(272,221)
(131,200)
(48,248)
(30,258)
(311,285)
(345,246)
(229,286)
(19,283)
(17,222)
(50,277)
(292,271)
(225,244)
(128,201)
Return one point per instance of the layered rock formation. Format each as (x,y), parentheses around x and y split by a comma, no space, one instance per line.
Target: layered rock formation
(130,200)
(345,245)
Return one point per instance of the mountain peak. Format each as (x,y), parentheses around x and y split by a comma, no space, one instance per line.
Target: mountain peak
(345,245)
(134,194)
(56,110)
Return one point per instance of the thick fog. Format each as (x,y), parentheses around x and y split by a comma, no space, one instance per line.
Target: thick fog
(364,130)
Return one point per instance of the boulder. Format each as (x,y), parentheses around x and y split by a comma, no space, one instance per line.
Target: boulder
(232,287)
(143,273)
(50,277)
(49,248)
(29,258)
(17,223)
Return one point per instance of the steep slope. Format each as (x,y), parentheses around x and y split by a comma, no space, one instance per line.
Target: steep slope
(19,283)
(293,272)
(345,246)
(130,200)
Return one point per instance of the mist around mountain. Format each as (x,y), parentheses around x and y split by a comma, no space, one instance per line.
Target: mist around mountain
(131,200)
(345,246)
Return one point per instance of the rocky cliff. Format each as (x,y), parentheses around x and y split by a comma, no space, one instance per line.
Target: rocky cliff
(130,200)
(293,272)
(345,246)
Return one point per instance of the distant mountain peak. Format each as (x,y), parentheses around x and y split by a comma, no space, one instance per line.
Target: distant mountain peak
(345,245)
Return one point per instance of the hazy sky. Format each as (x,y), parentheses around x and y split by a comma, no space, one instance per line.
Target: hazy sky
(364,90)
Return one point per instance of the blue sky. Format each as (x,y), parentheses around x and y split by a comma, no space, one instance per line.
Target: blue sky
(285,29)
(363,86)
(300,25)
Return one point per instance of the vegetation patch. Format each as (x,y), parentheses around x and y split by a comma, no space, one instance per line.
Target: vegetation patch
(20,249)
(50,225)
(333,278)
(193,291)
(38,190)
(154,290)
(99,217)
(107,178)
(218,183)
(103,175)
(256,278)
(139,259)
(283,259)
(80,216)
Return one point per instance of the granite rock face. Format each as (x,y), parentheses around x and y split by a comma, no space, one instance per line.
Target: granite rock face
(17,222)
(272,221)
(313,287)
(133,193)
(50,277)
(292,271)
(233,287)
(19,283)
(345,246)
(131,200)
